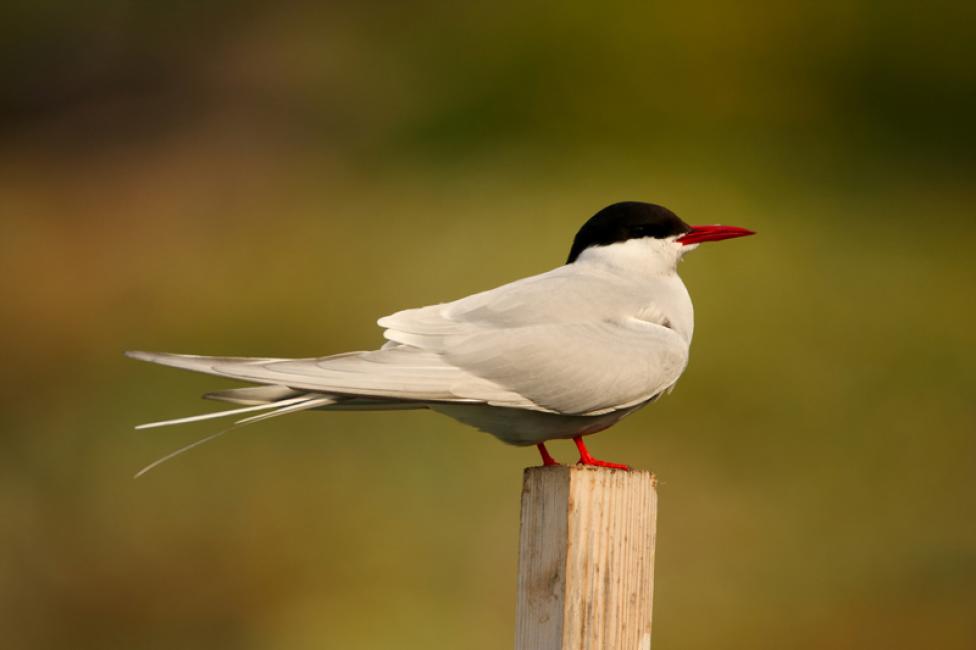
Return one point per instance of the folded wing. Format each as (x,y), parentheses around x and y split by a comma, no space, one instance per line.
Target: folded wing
(543,339)
(533,344)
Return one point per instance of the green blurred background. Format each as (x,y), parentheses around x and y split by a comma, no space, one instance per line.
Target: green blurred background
(268,179)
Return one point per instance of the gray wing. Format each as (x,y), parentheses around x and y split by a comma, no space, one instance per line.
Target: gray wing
(566,341)
(392,373)
(533,344)
(575,368)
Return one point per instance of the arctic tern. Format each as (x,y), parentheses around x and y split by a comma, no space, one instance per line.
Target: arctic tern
(563,354)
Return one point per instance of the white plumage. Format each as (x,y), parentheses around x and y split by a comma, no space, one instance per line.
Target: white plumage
(556,355)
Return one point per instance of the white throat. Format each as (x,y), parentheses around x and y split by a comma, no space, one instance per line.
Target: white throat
(644,256)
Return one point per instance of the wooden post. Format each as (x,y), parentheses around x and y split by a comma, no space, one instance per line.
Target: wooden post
(586,559)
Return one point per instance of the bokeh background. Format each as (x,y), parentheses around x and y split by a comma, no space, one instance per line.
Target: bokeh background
(269,178)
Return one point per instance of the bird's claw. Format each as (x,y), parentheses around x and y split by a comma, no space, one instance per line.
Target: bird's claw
(586,459)
(593,462)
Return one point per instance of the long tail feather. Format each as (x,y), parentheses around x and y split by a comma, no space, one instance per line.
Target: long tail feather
(294,408)
(221,414)
(170,456)
(286,406)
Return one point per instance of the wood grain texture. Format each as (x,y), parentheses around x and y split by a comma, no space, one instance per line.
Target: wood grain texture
(586,559)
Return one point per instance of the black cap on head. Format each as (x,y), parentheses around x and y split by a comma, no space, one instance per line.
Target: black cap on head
(626,220)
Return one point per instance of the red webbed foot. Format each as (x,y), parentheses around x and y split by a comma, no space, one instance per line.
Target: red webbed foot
(586,459)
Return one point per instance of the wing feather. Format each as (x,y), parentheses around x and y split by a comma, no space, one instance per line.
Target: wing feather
(577,368)
(537,343)
(541,338)
(393,373)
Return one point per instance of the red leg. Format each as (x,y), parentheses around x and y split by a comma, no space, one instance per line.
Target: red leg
(546,458)
(586,459)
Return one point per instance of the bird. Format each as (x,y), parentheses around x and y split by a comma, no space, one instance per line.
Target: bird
(559,355)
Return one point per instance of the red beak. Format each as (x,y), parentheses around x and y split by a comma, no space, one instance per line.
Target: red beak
(699,234)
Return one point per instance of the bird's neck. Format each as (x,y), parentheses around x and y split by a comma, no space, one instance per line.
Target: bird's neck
(637,257)
(649,273)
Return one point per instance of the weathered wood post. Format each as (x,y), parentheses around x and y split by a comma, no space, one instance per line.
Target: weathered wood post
(586,559)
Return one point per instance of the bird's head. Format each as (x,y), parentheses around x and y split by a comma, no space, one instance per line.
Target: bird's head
(632,232)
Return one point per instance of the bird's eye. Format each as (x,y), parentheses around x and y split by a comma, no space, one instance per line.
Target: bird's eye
(642,230)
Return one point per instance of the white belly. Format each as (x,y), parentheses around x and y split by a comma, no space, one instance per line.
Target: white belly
(523,428)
